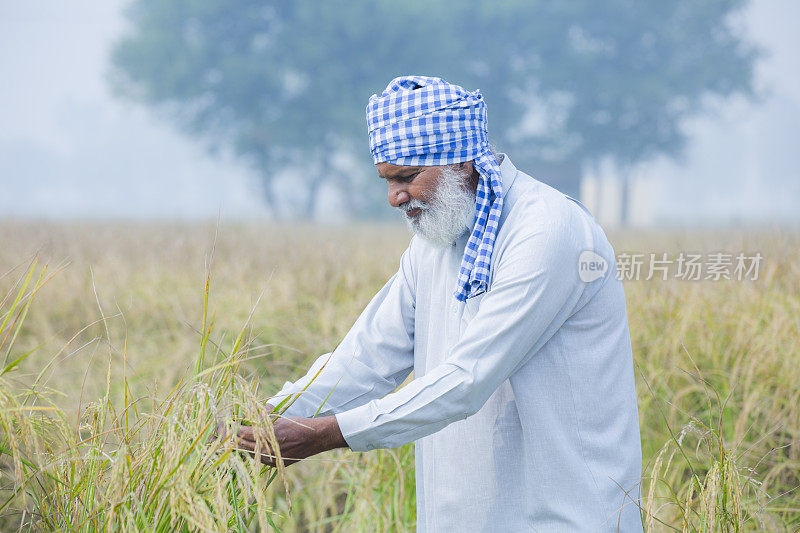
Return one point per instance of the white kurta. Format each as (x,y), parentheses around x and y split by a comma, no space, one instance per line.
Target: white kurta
(523,406)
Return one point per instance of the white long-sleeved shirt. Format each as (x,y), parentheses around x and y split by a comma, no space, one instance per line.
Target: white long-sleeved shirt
(523,406)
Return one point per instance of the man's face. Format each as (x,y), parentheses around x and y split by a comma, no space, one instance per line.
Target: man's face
(438,202)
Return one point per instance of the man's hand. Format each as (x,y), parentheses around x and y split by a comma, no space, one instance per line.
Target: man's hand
(221,430)
(297,438)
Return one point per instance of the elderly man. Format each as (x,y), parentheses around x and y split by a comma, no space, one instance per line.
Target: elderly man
(523,409)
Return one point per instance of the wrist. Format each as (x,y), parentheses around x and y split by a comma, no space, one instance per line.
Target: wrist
(332,433)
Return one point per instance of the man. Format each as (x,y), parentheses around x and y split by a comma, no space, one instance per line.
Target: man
(523,408)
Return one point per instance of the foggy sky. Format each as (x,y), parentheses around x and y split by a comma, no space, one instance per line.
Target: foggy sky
(69,150)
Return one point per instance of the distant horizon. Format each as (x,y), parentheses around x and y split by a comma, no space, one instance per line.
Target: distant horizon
(700,225)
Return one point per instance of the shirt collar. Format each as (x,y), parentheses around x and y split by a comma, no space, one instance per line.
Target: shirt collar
(508,173)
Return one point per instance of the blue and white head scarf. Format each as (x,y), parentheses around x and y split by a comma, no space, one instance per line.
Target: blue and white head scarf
(422,121)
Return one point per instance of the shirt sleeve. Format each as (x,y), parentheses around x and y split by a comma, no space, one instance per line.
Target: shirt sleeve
(534,290)
(375,356)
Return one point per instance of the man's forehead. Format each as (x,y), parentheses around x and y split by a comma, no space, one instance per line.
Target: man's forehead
(390,170)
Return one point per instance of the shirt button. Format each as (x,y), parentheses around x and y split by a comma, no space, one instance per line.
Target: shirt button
(454,308)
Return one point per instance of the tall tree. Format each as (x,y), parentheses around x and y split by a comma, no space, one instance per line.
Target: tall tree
(285,83)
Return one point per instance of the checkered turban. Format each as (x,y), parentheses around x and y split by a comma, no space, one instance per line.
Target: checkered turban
(422,121)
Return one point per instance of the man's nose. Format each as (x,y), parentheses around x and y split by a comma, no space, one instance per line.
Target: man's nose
(398,194)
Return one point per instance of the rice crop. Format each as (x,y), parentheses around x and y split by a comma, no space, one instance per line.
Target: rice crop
(118,367)
(130,463)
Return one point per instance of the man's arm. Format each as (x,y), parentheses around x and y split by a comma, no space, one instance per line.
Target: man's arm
(535,289)
(375,356)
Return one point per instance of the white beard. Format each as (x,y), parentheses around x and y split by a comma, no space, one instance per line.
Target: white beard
(450,212)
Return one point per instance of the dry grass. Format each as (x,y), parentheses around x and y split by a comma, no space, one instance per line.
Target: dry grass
(718,368)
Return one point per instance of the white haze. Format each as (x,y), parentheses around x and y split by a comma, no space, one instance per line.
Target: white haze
(68,149)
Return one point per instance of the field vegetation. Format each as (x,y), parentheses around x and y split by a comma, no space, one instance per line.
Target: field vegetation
(118,362)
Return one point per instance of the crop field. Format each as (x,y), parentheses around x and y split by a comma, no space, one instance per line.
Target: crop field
(117,361)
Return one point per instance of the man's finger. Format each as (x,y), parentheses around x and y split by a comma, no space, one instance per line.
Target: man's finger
(250,447)
(220,430)
(265,452)
(244,434)
(250,433)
